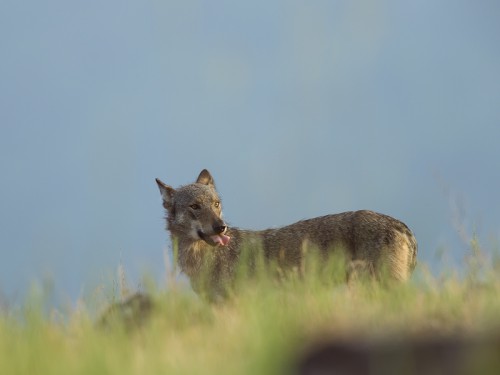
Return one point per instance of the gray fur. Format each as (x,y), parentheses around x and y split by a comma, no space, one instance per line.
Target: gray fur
(194,214)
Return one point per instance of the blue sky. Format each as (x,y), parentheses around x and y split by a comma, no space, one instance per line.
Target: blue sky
(298,109)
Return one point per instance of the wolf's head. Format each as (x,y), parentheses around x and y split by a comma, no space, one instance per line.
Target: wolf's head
(194,211)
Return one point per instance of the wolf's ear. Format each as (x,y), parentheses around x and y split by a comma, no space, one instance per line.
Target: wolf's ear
(205,178)
(167,193)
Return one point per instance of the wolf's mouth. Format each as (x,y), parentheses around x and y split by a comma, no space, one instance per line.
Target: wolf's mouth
(215,240)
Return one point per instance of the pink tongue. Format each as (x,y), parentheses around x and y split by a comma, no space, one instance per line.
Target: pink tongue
(220,239)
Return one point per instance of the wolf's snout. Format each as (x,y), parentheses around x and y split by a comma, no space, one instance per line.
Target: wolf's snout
(218,229)
(219,238)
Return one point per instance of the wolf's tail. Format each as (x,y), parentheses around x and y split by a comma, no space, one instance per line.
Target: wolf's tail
(413,250)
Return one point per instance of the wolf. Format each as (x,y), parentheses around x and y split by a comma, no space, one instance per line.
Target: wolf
(208,251)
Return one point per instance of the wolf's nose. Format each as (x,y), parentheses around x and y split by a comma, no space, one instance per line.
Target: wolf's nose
(219,229)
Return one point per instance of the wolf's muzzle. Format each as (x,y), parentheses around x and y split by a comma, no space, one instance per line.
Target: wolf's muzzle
(218,238)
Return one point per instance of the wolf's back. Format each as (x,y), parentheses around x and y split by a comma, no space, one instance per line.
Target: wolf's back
(365,236)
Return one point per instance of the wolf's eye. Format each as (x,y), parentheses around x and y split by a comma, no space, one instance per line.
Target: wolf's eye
(217,204)
(195,206)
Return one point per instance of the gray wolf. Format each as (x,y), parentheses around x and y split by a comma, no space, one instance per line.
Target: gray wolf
(208,251)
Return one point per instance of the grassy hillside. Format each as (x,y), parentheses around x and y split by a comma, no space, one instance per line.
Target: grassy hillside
(264,328)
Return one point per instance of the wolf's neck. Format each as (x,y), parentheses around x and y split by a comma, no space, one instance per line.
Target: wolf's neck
(189,255)
(244,237)
(180,246)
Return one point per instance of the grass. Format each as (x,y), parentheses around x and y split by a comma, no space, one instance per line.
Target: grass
(262,329)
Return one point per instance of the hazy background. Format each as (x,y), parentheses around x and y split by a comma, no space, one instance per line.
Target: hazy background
(298,108)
